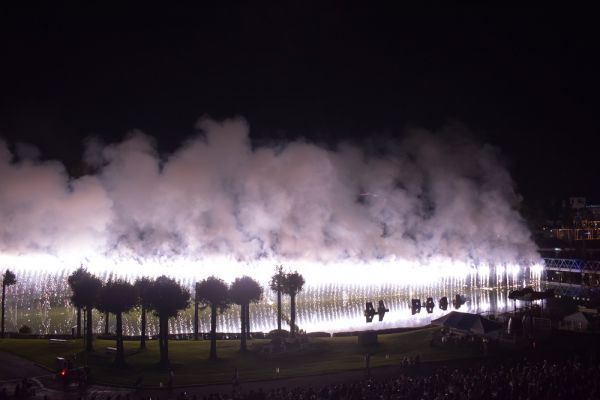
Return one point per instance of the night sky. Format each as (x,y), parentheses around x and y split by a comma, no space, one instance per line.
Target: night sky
(524,80)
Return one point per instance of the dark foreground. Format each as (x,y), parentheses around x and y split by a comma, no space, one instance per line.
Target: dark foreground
(564,366)
(531,377)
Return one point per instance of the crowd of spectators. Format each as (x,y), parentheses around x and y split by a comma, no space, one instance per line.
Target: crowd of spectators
(522,380)
(23,389)
(518,380)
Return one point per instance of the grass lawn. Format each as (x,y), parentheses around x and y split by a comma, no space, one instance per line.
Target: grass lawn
(191,365)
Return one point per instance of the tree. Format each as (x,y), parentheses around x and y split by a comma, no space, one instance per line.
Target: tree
(276,285)
(143,286)
(196,316)
(86,288)
(244,291)
(213,292)
(166,297)
(292,285)
(117,297)
(77,274)
(8,279)
(106,321)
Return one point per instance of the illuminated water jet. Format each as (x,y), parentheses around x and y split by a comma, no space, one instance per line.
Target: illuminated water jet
(333,299)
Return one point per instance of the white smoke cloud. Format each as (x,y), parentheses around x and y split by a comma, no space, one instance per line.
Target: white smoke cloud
(430,195)
(43,210)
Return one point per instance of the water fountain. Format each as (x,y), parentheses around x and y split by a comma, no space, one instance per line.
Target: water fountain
(332,301)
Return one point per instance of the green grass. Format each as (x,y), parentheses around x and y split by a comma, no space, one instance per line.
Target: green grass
(191,365)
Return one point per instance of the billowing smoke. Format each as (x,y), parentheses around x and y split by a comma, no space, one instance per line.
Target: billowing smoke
(429,195)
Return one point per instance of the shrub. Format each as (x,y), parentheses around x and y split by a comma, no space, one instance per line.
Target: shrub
(275,333)
(318,334)
(25,330)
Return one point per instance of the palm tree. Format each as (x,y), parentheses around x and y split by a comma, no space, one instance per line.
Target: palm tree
(78,273)
(86,288)
(8,279)
(166,297)
(292,285)
(213,292)
(118,297)
(196,317)
(276,285)
(106,321)
(143,286)
(244,291)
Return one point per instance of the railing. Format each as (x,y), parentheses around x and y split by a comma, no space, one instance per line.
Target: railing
(572,265)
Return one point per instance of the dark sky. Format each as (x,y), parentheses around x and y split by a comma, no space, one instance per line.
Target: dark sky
(525,80)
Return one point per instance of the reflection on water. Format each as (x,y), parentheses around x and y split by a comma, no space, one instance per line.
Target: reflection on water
(41,301)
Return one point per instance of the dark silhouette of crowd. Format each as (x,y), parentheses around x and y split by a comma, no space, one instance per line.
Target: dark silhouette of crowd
(520,380)
(523,380)
(23,389)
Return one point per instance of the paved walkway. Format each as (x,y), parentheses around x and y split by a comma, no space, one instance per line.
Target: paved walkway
(15,368)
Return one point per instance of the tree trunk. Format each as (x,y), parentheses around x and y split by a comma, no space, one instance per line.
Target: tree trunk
(248,321)
(106,323)
(279,310)
(3,306)
(166,342)
(196,320)
(143,337)
(293,314)
(243,330)
(89,334)
(163,337)
(213,332)
(160,339)
(79,322)
(120,358)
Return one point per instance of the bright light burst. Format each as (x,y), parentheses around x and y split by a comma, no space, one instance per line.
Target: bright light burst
(379,272)
(333,299)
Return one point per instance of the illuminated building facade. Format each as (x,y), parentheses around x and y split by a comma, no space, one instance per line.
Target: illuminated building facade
(585,222)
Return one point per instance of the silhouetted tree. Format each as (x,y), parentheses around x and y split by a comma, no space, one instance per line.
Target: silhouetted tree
(78,273)
(166,297)
(196,316)
(276,285)
(86,288)
(292,285)
(8,279)
(244,291)
(117,297)
(143,286)
(106,314)
(213,292)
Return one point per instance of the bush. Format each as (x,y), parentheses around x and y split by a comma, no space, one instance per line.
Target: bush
(25,330)
(275,333)
(318,334)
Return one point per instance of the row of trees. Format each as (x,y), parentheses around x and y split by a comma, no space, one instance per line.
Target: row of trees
(290,284)
(166,298)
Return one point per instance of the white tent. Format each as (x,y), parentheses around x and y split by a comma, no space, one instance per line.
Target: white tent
(577,321)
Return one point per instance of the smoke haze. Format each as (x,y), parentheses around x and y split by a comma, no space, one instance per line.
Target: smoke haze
(429,195)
